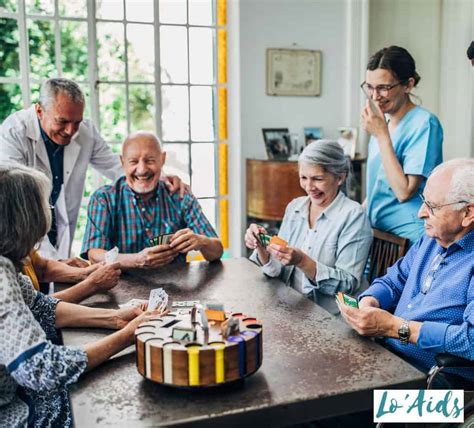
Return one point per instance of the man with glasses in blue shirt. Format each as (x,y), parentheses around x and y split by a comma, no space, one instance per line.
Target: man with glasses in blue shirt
(424,305)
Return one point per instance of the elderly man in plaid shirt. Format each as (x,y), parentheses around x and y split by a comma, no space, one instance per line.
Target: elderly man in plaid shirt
(138,207)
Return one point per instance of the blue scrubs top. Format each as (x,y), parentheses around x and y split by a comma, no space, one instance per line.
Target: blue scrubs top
(417,141)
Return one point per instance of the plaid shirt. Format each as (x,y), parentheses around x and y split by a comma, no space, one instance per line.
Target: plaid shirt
(118,217)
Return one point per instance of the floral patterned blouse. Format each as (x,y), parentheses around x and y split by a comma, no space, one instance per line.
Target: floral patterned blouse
(34,372)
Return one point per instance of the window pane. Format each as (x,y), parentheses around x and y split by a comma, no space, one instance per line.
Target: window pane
(110,51)
(175,116)
(142,107)
(44,7)
(200,12)
(203,170)
(177,160)
(173,11)
(8,5)
(201,55)
(10,99)
(109,9)
(74,49)
(35,92)
(141,52)
(113,122)
(41,45)
(9,52)
(209,208)
(86,91)
(173,54)
(140,10)
(202,113)
(73,8)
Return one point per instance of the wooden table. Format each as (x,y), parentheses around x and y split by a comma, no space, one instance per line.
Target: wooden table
(314,365)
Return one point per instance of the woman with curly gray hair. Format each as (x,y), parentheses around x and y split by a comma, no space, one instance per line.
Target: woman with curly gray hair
(328,234)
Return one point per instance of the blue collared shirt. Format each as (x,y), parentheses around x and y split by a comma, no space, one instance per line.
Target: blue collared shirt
(447,308)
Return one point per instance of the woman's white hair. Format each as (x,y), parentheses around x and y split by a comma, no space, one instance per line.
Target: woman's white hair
(462,180)
(329,155)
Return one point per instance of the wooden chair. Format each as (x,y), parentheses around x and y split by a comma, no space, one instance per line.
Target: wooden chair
(386,249)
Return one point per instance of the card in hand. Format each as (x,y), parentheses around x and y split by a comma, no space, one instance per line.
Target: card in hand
(158,299)
(111,255)
(264,239)
(166,238)
(347,300)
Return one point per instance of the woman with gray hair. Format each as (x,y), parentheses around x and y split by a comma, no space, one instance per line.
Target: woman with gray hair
(328,234)
(34,372)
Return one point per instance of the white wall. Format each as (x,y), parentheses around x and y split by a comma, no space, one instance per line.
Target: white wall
(303,24)
(437,34)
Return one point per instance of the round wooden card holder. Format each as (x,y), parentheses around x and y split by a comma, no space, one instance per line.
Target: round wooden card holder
(177,350)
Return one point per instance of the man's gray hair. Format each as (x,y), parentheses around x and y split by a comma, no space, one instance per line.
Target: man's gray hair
(52,87)
(24,210)
(329,155)
(462,180)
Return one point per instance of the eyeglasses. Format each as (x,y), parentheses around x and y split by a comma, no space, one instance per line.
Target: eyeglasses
(380,89)
(435,265)
(431,207)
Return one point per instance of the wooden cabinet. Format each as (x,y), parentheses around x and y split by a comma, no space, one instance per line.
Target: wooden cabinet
(271,185)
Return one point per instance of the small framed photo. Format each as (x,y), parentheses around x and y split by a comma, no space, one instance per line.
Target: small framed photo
(347,138)
(312,134)
(277,143)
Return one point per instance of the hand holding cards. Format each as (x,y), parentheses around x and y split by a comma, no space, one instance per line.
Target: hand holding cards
(158,300)
(347,300)
(111,256)
(161,239)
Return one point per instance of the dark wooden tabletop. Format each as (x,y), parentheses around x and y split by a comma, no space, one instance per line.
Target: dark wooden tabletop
(314,365)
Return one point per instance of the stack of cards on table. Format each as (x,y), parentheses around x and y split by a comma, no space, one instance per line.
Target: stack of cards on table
(161,239)
(344,299)
(158,300)
(132,303)
(111,256)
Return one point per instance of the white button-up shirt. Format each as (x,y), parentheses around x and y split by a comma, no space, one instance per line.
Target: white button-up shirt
(339,244)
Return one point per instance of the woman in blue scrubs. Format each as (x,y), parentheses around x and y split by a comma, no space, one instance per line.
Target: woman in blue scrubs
(405,144)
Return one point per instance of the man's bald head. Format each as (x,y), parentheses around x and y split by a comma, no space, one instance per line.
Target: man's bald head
(141,137)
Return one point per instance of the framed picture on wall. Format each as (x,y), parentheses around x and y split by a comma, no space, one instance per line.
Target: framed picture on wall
(277,143)
(347,138)
(293,72)
(312,134)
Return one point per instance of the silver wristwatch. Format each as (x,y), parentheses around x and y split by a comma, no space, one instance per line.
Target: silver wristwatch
(404,332)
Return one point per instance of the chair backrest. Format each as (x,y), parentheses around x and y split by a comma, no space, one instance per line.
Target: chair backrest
(386,249)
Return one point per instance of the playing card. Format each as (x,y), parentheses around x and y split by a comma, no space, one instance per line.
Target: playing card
(264,239)
(166,238)
(158,299)
(111,255)
(133,302)
(185,303)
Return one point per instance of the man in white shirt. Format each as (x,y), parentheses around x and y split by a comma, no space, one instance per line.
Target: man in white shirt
(53,137)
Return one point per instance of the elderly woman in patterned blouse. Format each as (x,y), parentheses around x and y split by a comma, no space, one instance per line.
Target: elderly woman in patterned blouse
(34,372)
(328,234)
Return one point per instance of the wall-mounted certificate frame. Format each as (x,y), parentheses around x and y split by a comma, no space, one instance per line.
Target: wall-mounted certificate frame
(293,72)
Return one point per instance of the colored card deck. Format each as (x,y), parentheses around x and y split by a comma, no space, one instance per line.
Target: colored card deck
(160,239)
(278,241)
(264,239)
(347,300)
